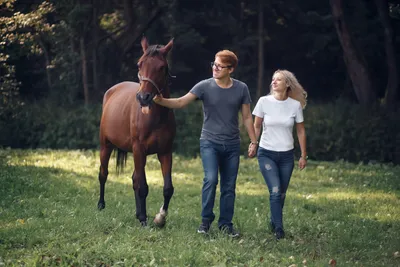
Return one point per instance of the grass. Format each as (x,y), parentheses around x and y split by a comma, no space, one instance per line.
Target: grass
(334,210)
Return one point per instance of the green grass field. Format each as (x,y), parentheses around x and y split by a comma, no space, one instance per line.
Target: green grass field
(334,210)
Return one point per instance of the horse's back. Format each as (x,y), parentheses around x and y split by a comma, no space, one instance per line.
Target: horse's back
(122,92)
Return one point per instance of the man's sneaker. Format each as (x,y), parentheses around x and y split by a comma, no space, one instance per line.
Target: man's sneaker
(204,228)
(230,231)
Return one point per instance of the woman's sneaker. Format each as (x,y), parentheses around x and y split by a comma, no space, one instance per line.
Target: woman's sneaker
(230,231)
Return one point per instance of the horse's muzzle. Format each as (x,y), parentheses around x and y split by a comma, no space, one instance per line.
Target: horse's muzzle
(145,99)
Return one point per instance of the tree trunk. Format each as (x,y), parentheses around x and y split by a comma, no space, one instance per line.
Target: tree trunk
(84,71)
(133,34)
(392,86)
(94,49)
(48,62)
(355,62)
(260,81)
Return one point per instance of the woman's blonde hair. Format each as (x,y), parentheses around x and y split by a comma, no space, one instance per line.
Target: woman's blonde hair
(295,90)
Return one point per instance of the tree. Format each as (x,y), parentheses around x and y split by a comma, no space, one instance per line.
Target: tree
(260,82)
(26,33)
(392,86)
(354,60)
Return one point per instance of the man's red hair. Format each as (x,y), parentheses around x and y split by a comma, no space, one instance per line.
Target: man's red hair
(228,57)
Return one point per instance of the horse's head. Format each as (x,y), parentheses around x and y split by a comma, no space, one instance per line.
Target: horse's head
(153,72)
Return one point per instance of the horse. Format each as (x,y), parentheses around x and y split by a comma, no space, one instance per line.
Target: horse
(131,122)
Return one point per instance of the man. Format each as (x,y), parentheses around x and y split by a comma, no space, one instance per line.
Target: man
(222,98)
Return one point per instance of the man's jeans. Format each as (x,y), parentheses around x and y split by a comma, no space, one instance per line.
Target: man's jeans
(224,158)
(276,168)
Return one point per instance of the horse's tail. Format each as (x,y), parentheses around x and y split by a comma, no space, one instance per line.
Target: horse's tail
(121,160)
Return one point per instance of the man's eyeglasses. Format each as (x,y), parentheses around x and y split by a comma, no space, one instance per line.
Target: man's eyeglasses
(219,67)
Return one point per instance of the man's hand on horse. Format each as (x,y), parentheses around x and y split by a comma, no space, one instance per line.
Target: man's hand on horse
(158,98)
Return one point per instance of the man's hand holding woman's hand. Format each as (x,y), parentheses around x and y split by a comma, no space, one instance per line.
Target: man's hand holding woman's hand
(252,149)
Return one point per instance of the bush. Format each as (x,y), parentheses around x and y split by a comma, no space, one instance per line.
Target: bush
(346,131)
(46,125)
(335,131)
(189,122)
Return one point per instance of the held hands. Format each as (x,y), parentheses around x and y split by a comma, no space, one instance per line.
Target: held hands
(252,149)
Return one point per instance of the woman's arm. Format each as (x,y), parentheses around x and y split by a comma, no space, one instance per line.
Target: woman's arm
(257,130)
(175,102)
(257,126)
(248,123)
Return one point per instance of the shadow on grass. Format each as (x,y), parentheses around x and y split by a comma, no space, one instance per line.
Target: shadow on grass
(30,193)
(360,177)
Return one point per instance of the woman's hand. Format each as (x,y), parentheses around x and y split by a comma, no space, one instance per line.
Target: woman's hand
(302,163)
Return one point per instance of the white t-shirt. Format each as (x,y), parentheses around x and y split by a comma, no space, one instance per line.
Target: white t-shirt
(278,120)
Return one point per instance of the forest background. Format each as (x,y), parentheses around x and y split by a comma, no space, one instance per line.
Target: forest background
(57,58)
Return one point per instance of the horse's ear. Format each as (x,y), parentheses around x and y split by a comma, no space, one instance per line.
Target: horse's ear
(144,44)
(167,47)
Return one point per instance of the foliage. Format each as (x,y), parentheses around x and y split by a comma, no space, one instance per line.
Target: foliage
(346,131)
(65,67)
(9,94)
(48,125)
(336,210)
(21,35)
(335,131)
(25,28)
(299,36)
(189,122)
(394,9)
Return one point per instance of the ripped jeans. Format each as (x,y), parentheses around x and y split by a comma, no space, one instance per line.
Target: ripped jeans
(276,168)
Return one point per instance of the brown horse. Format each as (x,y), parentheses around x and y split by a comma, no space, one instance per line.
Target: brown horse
(130,123)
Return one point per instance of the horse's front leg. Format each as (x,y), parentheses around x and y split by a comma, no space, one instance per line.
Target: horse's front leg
(168,190)
(140,186)
(105,153)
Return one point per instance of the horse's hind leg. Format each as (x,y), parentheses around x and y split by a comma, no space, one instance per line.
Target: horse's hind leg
(168,190)
(105,153)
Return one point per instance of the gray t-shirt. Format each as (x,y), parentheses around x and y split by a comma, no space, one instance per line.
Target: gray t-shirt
(220,110)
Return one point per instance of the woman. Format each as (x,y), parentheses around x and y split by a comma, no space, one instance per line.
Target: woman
(277,113)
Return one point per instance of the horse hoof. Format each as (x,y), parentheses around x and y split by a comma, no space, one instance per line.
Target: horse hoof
(159,220)
(101,205)
(143,223)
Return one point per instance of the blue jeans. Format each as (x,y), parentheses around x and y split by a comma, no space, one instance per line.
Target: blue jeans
(225,159)
(276,168)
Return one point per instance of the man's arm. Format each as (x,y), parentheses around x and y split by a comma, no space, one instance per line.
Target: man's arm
(248,122)
(175,102)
